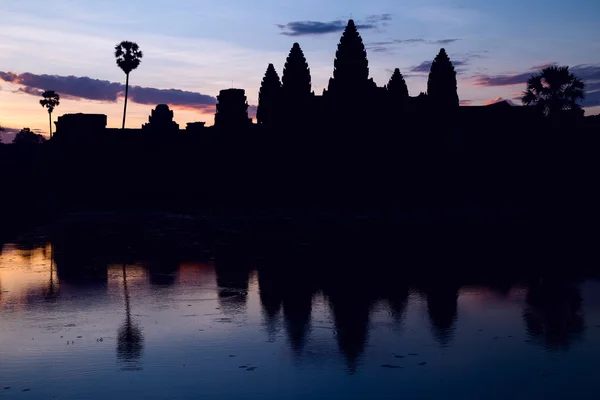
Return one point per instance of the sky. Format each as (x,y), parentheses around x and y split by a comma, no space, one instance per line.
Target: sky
(194,49)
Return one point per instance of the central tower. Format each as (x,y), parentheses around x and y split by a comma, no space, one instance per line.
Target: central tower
(351,66)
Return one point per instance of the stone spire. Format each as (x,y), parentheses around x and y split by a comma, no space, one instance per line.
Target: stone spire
(269,97)
(351,67)
(396,87)
(296,75)
(441,86)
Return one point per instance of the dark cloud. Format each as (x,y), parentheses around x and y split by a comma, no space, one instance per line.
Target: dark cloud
(94,89)
(425,66)
(591,99)
(30,90)
(589,73)
(502,80)
(306,28)
(466,102)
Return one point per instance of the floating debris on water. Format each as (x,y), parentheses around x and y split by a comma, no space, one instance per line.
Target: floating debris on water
(391,366)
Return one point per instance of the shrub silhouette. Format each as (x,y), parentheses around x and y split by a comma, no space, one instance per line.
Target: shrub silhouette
(441,85)
(129,56)
(50,100)
(269,97)
(554,89)
(27,137)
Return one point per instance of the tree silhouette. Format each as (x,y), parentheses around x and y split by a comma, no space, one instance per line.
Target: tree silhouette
(441,85)
(50,100)
(129,56)
(397,89)
(27,137)
(130,339)
(296,78)
(268,97)
(554,89)
(351,66)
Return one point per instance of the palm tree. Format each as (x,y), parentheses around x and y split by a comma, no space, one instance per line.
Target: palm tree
(50,100)
(554,89)
(129,56)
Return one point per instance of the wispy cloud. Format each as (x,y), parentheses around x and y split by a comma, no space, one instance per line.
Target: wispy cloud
(307,28)
(100,90)
(501,80)
(425,66)
(387,46)
(425,41)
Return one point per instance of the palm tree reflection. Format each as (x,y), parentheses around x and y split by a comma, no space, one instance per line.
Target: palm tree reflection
(130,340)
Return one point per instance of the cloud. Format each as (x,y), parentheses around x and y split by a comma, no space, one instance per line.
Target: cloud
(386,46)
(424,41)
(591,99)
(307,28)
(501,80)
(498,100)
(466,102)
(542,66)
(589,73)
(425,66)
(78,88)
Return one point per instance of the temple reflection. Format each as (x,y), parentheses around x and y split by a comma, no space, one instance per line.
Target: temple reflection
(553,315)
(88,268)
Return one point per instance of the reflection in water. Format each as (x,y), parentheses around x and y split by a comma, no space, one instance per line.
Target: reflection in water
(442,305)
(130,340)
(51,292)
(233,274)
(271,298)
(553,314)
(351,306)
(290,292)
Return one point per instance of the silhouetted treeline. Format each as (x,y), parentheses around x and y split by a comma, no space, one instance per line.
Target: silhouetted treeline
(437,167)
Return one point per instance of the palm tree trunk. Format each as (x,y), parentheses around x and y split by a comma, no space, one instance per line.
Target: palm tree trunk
(50,120)
(126,93)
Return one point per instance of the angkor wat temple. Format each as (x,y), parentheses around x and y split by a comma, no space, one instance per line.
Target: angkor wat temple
(351,100)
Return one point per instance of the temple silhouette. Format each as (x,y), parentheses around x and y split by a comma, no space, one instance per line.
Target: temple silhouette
(283,102)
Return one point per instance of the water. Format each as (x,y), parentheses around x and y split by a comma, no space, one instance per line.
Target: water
(100,313)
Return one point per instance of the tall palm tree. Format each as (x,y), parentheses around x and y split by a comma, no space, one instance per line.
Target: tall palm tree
(554,89)
(129,56)
(50,100)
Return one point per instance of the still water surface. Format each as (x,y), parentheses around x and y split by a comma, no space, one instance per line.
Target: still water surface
(77,324)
